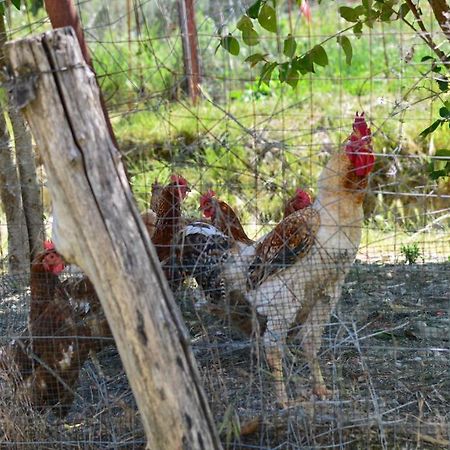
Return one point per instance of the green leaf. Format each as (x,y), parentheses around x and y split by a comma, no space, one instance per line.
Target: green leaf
(443,84)
(440,164)
(444,112)
(386,13)
(289,47)
(245,23)
(16,3)
(360,10)
(431,128)
(357,29)
(267,18)
(255,59)
(304,64)
(2,9)
(349,14)
(283,71)
(292,77)
(427,58)
(367,4)
(250,37)
(319,55)
(436,174)
(346,45)
(403,10)
(230,44)
(253,10)
(266,72)
(443,152)
(287,74)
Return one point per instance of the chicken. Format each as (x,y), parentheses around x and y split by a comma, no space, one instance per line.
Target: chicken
(66,325)
(297,274)
(168,213)
(223,217)
(300,200)
(200,250)
(150,217)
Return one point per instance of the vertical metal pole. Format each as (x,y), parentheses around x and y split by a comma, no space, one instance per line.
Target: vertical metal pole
(190,48)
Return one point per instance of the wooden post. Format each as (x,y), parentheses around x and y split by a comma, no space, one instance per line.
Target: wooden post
(98,227)
(190,48)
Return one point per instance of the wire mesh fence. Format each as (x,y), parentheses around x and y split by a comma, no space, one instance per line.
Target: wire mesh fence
(322,329)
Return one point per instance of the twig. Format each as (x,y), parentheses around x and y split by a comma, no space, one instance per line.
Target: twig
(425,35)
(250,132)
(438,219)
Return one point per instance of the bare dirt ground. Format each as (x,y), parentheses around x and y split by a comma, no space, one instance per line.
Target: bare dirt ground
(385,356)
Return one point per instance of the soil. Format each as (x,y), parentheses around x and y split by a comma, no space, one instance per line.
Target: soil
(384,356)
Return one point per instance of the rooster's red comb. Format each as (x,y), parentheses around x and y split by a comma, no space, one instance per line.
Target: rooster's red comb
(206,197)
(359,147)
(209,194)
(174,178)
(303,195)
(360,125)
(49,245)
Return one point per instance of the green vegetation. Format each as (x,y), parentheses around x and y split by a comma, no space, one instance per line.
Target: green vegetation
(291,62)
(411,252)
(254,138)
(253,143)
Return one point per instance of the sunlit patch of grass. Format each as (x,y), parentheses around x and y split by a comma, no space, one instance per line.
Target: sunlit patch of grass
(386,246)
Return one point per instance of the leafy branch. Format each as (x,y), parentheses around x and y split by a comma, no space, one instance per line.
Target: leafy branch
(292,63)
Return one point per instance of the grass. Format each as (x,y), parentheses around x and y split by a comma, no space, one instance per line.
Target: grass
(255,144)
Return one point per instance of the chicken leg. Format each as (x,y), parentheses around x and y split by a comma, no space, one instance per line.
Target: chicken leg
(311,332)
(274,355)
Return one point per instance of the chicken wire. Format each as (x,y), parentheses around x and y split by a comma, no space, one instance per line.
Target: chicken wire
(385,349)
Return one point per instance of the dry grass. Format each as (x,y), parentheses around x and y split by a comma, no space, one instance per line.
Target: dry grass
(384,355)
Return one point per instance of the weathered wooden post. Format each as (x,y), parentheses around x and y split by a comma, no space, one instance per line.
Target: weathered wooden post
(98,227)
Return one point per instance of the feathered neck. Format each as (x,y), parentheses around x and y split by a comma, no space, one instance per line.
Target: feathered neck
(226,220)
(42,287)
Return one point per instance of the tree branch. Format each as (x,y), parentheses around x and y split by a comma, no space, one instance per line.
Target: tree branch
(441,11)
(425,35)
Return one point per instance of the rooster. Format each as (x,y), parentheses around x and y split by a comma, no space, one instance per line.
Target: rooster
(223,217)
(293,276)
(298,270)
(299,201)
(66,325)
(168,213)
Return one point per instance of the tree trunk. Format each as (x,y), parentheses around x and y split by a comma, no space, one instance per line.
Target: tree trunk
(189,39)
(30,202)
(31,198)
(98,227)
(10,192)
(63,13)
(18,250)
